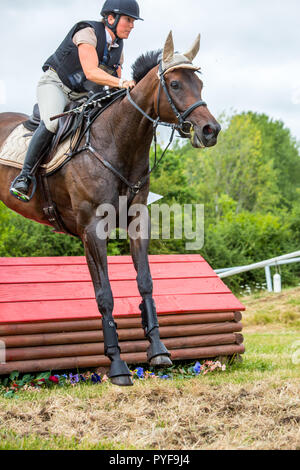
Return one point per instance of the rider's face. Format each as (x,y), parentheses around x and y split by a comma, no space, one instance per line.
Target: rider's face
(125,26)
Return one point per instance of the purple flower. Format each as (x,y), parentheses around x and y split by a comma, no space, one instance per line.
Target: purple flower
(197,368)
(140,372)
(164,377)
(74,378)
(96,378)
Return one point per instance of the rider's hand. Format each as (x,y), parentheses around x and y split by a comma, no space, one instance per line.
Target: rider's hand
(128,84)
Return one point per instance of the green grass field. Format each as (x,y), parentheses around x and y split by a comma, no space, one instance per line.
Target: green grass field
(252,405)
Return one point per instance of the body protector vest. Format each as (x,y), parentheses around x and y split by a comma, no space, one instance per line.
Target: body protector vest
(65,60)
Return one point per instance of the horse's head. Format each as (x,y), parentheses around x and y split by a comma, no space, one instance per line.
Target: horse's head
(181,102)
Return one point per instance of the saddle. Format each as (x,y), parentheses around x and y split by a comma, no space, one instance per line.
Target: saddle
(67,125)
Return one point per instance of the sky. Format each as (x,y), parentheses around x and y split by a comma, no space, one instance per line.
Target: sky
(249,56)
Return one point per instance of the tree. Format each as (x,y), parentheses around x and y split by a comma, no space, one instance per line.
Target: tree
(281,148)
(234,167)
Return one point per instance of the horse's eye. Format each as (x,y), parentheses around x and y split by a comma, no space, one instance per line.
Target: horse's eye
(174,84)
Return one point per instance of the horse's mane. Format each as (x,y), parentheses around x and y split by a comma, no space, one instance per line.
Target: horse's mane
(144,63)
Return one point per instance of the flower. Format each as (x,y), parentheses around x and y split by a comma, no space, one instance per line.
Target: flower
(96,378)
(149,374)
(139,372)
(197,368)
(54,379)
(74,378)
(164,377)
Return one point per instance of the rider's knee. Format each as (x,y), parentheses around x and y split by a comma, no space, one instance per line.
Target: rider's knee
(51,125)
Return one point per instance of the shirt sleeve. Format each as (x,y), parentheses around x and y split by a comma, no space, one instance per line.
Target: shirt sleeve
(85,36)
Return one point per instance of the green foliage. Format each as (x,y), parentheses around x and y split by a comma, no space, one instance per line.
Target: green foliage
(235,167)
(245,238)
(23,237)
(279,146)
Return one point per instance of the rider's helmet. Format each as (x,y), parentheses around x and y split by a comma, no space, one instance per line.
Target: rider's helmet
(119,8)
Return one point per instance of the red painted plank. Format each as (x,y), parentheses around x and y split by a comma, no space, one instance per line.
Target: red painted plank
(83,309)
(55,273)
(84,290)
(80,260)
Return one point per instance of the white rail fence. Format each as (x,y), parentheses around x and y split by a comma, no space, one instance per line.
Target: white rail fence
(267,264)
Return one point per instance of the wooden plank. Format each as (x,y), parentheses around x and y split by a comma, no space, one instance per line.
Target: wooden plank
(87,309)
(91,349)
(81,362)
(72,273)
(32,329)
(81,260)
(130,334)
(85,290)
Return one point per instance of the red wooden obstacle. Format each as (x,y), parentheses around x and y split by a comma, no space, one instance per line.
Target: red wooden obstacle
(52,299)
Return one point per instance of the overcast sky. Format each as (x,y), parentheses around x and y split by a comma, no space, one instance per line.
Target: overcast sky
(249,48)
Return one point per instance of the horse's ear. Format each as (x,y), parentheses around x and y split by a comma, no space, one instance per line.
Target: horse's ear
(191,54)
(168,52)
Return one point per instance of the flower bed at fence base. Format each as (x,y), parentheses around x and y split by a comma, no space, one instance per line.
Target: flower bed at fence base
(10,386)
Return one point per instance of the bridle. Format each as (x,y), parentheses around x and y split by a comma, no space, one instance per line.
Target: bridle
(184,126)
(181,116)
(181,126)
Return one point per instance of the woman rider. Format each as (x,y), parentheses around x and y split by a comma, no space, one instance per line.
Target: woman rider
(89,58)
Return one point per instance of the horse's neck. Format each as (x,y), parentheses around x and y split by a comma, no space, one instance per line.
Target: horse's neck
(134,132)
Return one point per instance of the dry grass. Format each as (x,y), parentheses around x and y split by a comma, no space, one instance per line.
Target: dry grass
(268,308)
(253,405)
(161,415)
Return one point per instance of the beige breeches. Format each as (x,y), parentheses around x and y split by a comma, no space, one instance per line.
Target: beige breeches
(53,96)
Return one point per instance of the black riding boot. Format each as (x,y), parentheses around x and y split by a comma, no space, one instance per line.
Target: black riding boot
(38,144)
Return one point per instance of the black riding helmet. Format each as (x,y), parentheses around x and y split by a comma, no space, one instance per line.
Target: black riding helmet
(119,8)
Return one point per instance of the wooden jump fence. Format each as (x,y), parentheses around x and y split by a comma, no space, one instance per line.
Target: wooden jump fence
(49,318)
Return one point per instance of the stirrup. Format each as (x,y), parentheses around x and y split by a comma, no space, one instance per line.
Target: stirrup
(21,196)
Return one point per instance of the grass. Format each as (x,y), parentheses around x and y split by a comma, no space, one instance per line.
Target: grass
(252,405)
(281,309)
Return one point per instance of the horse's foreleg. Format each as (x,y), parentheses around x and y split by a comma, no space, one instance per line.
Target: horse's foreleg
(96,255)
(157,353)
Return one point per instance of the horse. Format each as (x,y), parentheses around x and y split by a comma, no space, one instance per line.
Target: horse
(168,90)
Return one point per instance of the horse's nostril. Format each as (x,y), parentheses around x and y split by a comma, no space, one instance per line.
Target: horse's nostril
(208,131)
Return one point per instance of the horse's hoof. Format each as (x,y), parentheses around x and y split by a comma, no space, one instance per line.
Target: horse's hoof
(161,360)
(122,380)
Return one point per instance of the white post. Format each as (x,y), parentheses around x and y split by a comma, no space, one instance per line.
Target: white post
(268,278)
(277,283)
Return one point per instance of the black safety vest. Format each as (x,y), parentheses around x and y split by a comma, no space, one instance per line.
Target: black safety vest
(65,60)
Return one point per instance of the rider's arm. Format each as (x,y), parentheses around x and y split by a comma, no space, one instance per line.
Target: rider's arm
(89,62)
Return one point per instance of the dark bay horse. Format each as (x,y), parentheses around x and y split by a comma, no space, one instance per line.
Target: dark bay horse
(123,136)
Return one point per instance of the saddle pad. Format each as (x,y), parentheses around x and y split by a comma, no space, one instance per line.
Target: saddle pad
(14,148)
